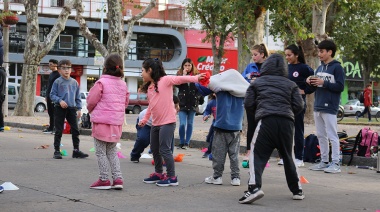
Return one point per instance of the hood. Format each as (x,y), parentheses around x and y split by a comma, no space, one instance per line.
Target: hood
(274,65)
(328,65)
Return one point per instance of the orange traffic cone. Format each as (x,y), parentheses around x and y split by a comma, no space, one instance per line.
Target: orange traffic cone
(303,180)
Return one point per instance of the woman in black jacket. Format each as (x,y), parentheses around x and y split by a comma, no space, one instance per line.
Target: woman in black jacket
(189,98)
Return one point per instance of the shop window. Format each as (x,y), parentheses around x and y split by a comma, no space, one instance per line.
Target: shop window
(155,46)
(57,3)
(65,41)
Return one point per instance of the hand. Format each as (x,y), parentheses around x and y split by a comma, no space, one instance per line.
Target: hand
(79,114)
(201,76)
(205,118)
(63,104)
(141,123)
(316,82)
(302,92)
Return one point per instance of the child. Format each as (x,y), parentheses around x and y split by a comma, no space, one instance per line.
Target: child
(159,87)
(329,84)
(230,88)
(143,134)
(275,100)
(210,110)
(65,96)
(106,102)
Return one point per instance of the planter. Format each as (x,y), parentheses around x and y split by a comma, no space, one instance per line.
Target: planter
(10,20)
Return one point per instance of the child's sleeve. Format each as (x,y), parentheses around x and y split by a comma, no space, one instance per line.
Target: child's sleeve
(250,99)
(94,96)
(176,80)
(78,100)
(297,101)
(309,89)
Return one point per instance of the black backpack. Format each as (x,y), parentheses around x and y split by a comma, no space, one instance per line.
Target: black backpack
(86,122)
(312,152)
(361,97)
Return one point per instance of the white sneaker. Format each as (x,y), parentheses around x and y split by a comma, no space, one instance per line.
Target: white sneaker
(235,182)
(321,166)
(299,163)
(211,180)
(281,162)
(333,168)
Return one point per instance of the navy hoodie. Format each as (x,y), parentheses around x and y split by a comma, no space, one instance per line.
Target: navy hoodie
(327,96)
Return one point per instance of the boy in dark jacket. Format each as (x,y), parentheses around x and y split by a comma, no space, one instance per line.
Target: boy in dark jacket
(275,100)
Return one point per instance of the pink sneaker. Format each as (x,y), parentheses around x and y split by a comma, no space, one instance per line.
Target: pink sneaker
(101,185)
(117,184)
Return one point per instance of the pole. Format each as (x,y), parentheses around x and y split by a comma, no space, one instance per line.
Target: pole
(6,59)
(101,22)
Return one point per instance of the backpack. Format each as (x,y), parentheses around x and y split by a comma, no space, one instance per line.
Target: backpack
(86,122)
(361,97)
(312,151)
(365,139)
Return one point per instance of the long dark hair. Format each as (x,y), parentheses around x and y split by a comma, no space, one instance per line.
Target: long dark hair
(297,51)
(194,70)
(157,72)
(113,65)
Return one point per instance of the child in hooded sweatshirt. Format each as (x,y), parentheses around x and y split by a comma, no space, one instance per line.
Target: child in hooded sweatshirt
(275,100)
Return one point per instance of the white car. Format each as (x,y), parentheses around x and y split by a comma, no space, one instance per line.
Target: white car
(354,108)
(40,104)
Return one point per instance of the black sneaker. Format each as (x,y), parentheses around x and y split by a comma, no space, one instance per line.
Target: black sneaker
(79,154)
(299,195)
(251,196)
(205,155)
(47,131)
(180,146)
(57,155)
(186,146)
(135,160)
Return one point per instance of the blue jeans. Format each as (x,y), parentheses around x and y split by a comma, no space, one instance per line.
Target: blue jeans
(186,120)
(142,141)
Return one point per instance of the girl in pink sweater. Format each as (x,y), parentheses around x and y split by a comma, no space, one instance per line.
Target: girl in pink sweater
(161,108)
(106,102)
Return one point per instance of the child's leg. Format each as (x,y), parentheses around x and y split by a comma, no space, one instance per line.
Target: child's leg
(299,140)
(100,152)
(320,126)
(113,160)
(219,152)
(155,147)
(233,153)
(71,117)
(165,139)
(59,119)
(332,134)
(142,141)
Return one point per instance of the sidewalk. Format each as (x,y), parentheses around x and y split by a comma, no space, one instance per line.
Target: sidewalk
(200,131)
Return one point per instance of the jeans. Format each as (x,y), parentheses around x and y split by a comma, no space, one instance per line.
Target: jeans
(142,141)
(210,137)
(186,120)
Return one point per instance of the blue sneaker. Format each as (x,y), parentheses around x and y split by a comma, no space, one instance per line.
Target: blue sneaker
(154,177)
(1,189)
(168,181)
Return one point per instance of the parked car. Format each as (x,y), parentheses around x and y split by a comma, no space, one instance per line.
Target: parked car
(40,104)
(137,103)
(354,108)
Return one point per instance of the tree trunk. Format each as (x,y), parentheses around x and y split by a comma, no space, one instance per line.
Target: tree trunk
(256,35)
(115,28)
(244,55)
(34,52)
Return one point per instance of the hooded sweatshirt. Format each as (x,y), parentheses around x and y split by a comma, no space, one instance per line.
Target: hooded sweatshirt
(327,96)
(273,94)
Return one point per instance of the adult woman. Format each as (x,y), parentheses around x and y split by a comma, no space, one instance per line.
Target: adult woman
(298,72)
(189,98)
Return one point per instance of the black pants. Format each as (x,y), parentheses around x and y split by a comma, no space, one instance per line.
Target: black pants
(50,108)
(366,110)
(299,138)
(274,132)
(251,126)
(71,116)
(1,113)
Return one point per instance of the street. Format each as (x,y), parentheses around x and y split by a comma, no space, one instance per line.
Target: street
(63,185)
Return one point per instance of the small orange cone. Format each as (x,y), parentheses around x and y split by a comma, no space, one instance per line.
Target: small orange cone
(303,180)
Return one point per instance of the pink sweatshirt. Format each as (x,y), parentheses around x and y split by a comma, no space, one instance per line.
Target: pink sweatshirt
(161,105)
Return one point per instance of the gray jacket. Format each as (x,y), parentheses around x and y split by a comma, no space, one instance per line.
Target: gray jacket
(273,94)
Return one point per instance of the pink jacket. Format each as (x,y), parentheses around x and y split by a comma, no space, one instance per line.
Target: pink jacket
(106,102)
(161,105)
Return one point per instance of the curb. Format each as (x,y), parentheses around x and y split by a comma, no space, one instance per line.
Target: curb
(356,161)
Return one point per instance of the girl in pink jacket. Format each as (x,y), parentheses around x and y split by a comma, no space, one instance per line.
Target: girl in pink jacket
(159,88)
(106,102)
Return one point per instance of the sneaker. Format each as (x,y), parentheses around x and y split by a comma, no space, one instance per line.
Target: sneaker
(53,132)
(154,178)
(280,162)
(205,155)
(168,181)
(299,163)
(1,129)
(47,131)
(251,196)
(135,160)
(235,182)
(186,146)
(101,185)
(57,155)
(333,168)
(180,146)
(1,189)
(321,166)
(299,195)
(117,184)
(79,154)
(212,180)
